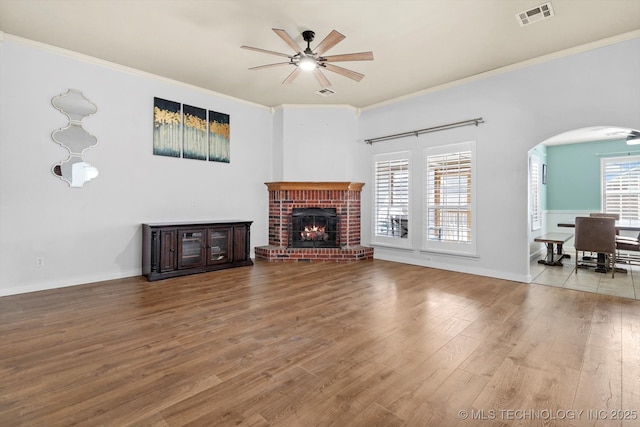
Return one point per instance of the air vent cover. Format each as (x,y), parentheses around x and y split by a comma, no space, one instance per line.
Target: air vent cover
(536,14)
(325,92)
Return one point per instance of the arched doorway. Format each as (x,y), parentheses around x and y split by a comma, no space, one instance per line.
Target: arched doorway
(565,181)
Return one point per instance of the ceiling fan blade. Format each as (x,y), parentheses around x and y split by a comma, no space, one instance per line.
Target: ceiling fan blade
(361,56)
(292,76)
(322,79)
(288,40)
(330,41)
(257,49)
(260,67)
(343,71)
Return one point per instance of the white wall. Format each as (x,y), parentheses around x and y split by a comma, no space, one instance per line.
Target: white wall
(318,143)
(93,233)
(278,145)
(521,108)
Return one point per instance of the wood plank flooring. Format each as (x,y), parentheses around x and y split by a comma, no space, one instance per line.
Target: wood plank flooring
(373,343)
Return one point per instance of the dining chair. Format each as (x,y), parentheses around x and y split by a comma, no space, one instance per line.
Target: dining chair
(606,215)
(602,215)
(628,249)
(596,234)
(629,244)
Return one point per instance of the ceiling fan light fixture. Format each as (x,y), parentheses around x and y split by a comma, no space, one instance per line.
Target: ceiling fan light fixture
(633,138)
(314,61)
(307,63)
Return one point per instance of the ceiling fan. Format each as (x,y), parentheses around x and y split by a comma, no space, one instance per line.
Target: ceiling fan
(309,60)
(633,138)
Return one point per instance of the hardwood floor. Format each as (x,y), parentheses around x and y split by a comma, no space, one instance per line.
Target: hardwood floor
(364,344)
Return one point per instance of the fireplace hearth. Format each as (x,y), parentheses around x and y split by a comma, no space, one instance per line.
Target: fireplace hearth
(313,222)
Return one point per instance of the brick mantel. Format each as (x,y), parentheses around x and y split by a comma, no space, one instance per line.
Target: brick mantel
(285,196)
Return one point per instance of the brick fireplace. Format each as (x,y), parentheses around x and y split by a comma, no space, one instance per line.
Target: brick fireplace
(284,197)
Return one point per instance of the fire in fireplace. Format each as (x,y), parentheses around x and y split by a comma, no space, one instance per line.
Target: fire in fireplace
(314,228)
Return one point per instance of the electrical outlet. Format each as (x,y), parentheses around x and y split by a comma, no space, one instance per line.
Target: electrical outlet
(39,261)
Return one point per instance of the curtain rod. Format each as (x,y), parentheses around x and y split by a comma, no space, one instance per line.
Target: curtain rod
(475,122)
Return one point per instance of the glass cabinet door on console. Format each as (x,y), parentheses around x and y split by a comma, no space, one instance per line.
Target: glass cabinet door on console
(219,249)
(191,248)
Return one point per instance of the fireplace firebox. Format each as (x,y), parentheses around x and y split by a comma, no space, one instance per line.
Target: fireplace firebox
(314,228)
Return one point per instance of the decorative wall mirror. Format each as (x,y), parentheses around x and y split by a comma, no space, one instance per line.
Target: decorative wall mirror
(74,105)
(74,170)
(74,138)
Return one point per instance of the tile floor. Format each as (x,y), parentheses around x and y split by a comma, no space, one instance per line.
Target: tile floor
(624,284)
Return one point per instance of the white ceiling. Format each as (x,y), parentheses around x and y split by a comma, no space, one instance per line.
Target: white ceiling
(417,44)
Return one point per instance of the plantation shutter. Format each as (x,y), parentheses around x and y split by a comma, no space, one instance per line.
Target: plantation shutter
(448,210)
(534,204)
(391,197)
(621,186)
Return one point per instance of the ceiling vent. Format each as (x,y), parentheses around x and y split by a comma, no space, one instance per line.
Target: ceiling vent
(536,14)
(325,92)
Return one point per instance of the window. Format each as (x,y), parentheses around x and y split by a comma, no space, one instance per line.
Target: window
(621,186)
(391,198)
(449,214)
(534,192)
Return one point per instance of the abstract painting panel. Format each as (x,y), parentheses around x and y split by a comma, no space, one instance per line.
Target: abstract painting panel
(195,133)
(167,120)
(219,141)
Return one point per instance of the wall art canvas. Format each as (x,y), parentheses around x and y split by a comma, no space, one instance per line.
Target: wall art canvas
(167,120)
(195,133)
(219,141)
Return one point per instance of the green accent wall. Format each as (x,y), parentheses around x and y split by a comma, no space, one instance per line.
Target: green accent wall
(573,173)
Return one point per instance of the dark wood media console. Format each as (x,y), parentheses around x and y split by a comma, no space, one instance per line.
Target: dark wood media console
(178,249)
